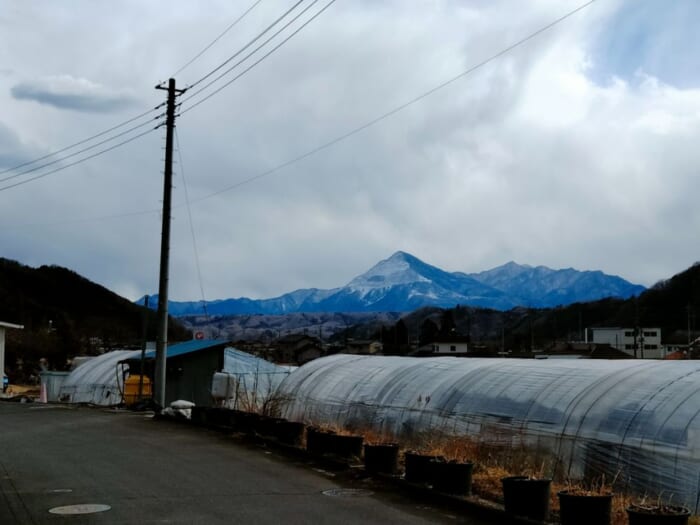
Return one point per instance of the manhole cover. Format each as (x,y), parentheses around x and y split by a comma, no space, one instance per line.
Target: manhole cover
(82,508)
(347,493)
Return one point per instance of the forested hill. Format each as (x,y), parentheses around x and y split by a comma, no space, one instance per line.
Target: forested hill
(65,314)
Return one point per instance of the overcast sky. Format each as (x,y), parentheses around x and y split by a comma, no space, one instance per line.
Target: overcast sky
(577,149)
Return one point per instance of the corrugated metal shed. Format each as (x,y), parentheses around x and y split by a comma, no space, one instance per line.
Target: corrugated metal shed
(190,367)
(179,349)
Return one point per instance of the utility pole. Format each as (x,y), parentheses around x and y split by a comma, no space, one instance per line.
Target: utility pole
(144,339)
(162,331)
(688,309)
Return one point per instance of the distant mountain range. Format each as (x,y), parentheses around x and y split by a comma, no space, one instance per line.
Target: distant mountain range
(403,283)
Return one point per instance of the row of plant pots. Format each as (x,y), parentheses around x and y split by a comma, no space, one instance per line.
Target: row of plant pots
(523,496)
(529,498)
(285,431)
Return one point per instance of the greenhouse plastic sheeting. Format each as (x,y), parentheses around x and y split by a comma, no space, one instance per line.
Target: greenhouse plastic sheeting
(634,419)
(98,381)
(247,382)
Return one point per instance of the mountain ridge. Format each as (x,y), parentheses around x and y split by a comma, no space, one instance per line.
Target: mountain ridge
(403,283)
(65,314)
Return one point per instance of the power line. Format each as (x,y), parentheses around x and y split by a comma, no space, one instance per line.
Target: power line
(390,112)
(79,220)
(189,215)
(231,26)
(257,61)
(42,175)
(260,35)
(93,137)
(110,139)
(337,139)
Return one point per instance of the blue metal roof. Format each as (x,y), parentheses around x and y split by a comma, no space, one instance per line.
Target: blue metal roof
(195,345)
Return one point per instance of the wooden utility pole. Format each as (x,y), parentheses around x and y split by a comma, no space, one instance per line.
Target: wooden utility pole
(162,331)
(144,339)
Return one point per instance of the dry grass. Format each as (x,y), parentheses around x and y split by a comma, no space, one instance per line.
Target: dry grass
(373,437)
(28,390)
(494,461)
(486,482)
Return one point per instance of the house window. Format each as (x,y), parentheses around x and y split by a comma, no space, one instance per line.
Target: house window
(629,347)
(453,348)
(629,333)
(651,347)
(649,334)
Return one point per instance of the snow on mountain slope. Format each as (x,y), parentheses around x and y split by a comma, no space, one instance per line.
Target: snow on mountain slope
(540,286)
(403,283)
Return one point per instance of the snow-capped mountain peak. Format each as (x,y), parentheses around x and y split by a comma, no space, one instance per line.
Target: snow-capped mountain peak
(401,268)
(403,283)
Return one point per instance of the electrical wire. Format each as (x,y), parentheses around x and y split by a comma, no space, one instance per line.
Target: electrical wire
(80,220)
(231,26)
(260,35)
(331,142)
(194,238)
(285,40)
(123,123)
(110,139)
(42,175)
(79,143)
(391,112)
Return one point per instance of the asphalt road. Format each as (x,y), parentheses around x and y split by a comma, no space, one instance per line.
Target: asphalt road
(151,471)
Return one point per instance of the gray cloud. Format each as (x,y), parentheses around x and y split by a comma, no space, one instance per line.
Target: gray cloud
(527,159)
(66,92)
(13,151)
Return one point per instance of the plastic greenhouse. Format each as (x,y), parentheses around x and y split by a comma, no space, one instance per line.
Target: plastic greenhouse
(637,420)
(98,381)
(247,382)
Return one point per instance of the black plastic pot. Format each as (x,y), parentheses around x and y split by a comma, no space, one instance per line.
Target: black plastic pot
(452,477)
(526,497)
(420,467)
(290,432)
(218,418)
(267,426)
(666,515)
(345,446)
(382,458)
(318,441)
(245,422)
(199,416)
(328,442)
(580,509)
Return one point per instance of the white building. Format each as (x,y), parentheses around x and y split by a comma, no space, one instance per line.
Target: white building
(450,345)
(643,343)
(3,327)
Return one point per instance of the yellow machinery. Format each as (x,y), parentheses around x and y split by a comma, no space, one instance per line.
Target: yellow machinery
(131,389)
